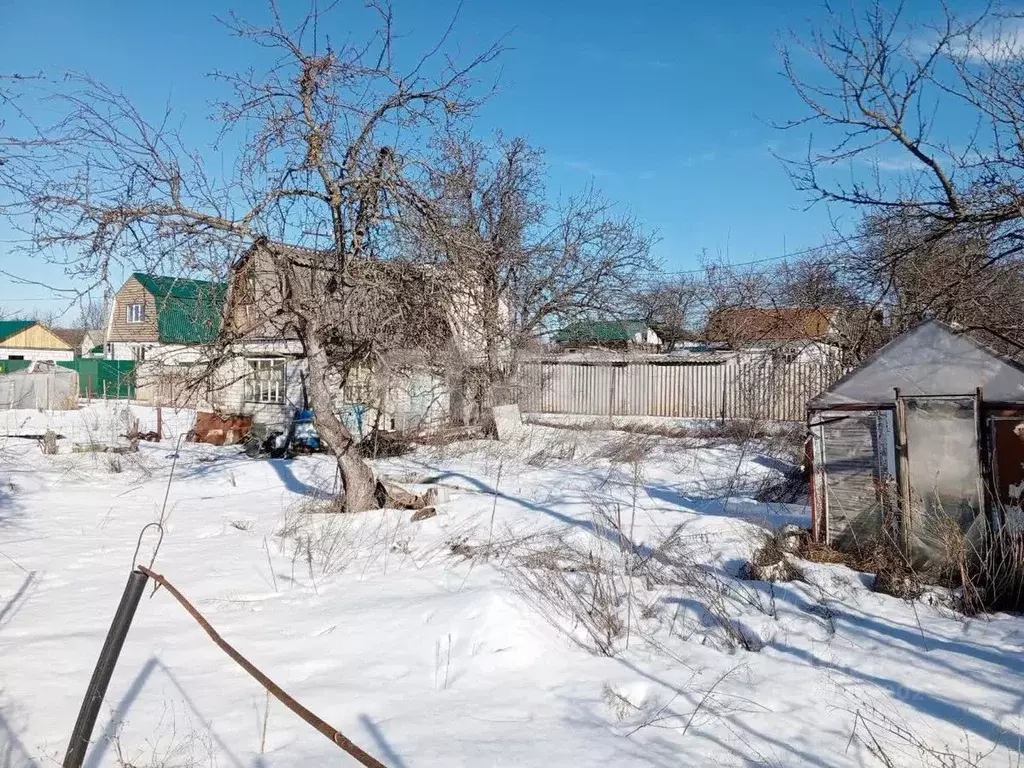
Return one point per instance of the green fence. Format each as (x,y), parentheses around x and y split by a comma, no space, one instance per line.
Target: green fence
(10,366)
(96,378)
(104,378)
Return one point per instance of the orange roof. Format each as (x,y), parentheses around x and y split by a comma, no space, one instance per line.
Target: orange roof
(776,324)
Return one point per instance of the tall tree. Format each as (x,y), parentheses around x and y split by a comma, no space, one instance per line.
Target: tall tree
(672,307)
(889,97)
(528,264)
(333,157)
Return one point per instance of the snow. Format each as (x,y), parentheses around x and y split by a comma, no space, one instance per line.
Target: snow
(424,643)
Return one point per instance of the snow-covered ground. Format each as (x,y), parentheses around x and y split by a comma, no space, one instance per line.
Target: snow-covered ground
(502,632)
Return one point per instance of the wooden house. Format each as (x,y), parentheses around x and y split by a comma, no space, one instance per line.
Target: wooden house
(30,340)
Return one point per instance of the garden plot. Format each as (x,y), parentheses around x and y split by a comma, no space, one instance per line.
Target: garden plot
(575,602)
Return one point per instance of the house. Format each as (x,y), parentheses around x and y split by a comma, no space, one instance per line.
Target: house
(608,334)
(30,340)
(923,438)
(166,318)
(85,342)
(417,383)
(791,334)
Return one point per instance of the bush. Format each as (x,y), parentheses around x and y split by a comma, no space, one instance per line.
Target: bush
(996,582)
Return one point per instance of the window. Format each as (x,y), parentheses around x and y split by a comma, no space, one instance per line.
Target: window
(265,382)
(15,357)
(358,386)
(785,356)
(138,354)
(136,313)
(247,287)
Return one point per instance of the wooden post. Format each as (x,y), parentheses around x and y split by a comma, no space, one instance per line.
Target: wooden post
(905,517)
(159,423)
(989,512)
(104,670)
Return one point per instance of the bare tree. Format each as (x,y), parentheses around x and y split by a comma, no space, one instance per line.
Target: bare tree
(333,157)
(528,264)
(672,307)
(880,86)
(92,313)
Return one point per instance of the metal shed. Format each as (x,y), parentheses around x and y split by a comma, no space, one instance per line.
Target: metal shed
(42,385)
(925,436)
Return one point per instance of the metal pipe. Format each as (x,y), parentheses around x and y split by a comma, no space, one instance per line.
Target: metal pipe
(105,664)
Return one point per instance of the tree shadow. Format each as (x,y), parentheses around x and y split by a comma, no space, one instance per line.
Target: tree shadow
(283,469)
(18,599)
(767,516)
(587,525)
(1007,665)
(13,753)
(10,511)
(926,703)
(94,759)
(387,752)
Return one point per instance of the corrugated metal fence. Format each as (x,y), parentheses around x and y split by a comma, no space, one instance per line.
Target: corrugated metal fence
(96,377)
(756,389)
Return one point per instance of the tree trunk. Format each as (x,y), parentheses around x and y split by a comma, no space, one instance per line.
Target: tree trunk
(362,489)
(357,477)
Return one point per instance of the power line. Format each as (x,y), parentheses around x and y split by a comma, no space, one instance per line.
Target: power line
(39,298)
(765,260)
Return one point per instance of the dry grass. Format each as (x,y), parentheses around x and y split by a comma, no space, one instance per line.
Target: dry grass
(819,552)
(606,592)
(628,449)
(168,744)
(893,741)
(709,431)
(995,579)
(320,539)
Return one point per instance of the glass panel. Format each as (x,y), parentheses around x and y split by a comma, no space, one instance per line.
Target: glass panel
(943,462)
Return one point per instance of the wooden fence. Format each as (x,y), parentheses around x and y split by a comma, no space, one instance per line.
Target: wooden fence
(757,389)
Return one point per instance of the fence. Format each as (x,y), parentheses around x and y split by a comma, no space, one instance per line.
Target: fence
(758,388)
(47,387)
(104,378)
(170,386)
(114,379)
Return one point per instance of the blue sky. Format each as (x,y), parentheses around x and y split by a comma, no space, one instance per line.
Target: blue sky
(662,104)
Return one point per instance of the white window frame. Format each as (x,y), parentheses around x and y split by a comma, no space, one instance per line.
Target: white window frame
(135,312)
(269,388)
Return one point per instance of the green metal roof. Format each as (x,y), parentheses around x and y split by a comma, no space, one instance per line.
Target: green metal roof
(10,327)
(188,311)
(601,330)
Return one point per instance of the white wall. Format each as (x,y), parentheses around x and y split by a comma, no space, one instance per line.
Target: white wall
(37,354)
(229,391)
(168,354)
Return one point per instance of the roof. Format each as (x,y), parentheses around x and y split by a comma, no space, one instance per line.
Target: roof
(71,336)
(390,302)
(740,324)
(932,358)
(601,330)
(9,328)
(188,311)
